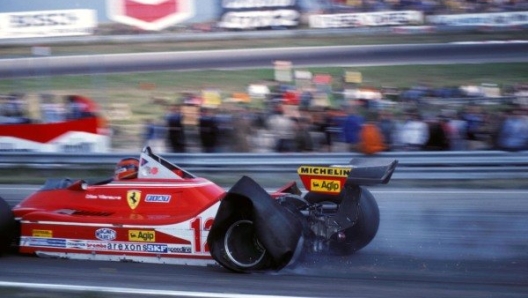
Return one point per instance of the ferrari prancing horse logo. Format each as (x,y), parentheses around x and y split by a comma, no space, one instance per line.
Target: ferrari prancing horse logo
(133,198)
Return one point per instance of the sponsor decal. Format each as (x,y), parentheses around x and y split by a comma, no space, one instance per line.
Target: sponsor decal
(369,19)
(42,233)
(105,234)
(326,185)
(78,244)
(45,242)
(158,198)
(133,198)
(48,23)
(150,170)
(102,197)
(142,236)
(325,171)
(9,147)
(138,247)
(498,19)
(80,147)
(150,14)
(253,14)
(92,245)
(241,4)
(180,249)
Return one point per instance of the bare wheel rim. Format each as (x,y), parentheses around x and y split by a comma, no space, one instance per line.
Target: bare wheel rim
(242,246)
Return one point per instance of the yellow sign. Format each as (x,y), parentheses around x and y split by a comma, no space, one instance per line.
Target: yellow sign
(325,171)
(211,98)
(141,236)
(133,198)
(42,233)
(326,185)
(353,77)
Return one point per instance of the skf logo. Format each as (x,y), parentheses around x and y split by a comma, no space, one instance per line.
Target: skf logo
(326,185)
(150,14)
(141,236)
(133,198)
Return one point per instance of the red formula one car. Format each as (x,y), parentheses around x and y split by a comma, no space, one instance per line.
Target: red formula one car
(168,215)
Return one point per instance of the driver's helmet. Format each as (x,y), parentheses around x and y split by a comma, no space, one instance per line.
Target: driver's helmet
(126,168)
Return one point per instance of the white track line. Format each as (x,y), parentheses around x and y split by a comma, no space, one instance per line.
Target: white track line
(143,292)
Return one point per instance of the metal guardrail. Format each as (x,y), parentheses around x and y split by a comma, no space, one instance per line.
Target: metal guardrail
(193,36)
(412,165)
(221,35)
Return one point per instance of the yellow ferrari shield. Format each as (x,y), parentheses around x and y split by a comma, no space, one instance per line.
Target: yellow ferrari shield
(133,198)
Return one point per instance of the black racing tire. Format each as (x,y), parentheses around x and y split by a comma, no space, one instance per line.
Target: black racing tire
(365,229)
(7,226)
(239,247)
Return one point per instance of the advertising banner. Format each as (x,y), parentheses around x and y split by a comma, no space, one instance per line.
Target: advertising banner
(47,23)
(499,19)
(257,14)
(368,19)
(153,15)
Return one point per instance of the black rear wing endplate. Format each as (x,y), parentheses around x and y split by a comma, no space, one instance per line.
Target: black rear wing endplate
(371,171)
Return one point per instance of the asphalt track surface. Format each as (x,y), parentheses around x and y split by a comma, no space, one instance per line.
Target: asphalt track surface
(432,242)
(343,56)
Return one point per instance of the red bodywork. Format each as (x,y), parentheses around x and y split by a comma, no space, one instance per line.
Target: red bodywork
(154,218)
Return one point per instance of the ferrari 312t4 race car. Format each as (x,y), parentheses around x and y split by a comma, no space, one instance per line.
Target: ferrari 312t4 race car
(168,215)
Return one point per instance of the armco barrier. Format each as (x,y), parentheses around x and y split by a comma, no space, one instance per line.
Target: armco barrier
(412,165)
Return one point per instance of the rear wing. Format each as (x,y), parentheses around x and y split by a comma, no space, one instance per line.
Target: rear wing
(360,171)
(369,171)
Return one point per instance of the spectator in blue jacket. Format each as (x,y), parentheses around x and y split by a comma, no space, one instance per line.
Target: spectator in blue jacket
(352,127)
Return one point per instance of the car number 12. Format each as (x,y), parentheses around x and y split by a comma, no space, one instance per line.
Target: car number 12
(198,227)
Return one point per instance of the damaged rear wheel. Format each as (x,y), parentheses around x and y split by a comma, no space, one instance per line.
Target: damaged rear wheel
(242,246)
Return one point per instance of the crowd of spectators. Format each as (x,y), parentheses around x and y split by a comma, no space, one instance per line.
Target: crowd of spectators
(14,108)
(350,128)
(428,7)
(287,125)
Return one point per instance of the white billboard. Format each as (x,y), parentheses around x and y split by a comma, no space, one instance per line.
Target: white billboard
(367,19)
(47,23)
(498,19)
